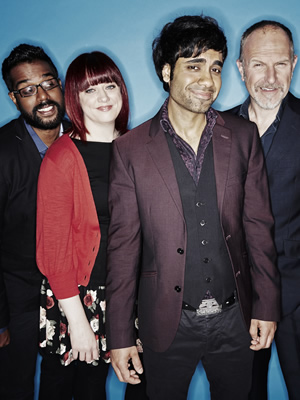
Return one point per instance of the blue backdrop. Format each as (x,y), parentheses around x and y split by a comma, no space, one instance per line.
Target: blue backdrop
(125,30)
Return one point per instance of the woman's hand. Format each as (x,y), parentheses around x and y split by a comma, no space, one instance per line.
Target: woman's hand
(83,341)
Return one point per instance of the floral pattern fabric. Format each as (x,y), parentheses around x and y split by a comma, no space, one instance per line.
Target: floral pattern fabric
(54,328)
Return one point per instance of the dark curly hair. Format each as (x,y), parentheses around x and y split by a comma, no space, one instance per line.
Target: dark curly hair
(186,36)
(24,53)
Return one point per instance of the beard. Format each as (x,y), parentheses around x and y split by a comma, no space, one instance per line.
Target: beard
(40,123)
(265,103)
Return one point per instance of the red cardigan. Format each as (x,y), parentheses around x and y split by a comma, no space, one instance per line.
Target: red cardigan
(68,232)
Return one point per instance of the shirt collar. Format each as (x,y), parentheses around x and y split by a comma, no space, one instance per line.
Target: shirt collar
(166,125)
(243,111)
(40,145)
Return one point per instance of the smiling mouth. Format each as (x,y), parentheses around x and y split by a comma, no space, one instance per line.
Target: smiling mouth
(269,89)
(202,94)
(46,110)
(104,108)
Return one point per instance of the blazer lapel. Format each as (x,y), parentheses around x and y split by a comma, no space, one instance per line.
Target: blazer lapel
(221,149)
(160,154)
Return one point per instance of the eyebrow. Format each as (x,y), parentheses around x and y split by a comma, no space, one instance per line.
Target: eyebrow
(203,61)
(263,62)
(46,75)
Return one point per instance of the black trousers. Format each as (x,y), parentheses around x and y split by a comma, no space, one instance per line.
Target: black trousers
(221,342)
(78,380)
(259,387)
(18,359)
(287,340)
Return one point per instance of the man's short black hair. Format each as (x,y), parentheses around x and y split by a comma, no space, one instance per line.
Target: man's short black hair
(262,25)
(186,36)
(24,53)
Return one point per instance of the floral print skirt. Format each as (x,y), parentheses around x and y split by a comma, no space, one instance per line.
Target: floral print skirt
(54,329)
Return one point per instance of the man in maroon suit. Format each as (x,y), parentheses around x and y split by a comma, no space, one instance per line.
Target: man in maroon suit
(190,231)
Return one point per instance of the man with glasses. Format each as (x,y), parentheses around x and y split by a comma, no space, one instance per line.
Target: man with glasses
(34,87)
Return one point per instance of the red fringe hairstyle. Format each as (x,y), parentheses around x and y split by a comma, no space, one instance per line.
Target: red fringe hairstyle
(87,70)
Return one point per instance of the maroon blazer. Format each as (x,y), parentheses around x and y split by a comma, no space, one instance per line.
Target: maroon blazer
(147,231)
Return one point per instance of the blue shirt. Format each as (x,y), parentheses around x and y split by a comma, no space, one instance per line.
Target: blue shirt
(268,137)
(40,145)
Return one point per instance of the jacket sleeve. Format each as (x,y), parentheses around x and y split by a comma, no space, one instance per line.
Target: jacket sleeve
(123,254)
(258,225)
(4,310)
(54,234)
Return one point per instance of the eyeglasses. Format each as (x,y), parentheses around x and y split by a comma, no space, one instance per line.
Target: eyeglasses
(33,89)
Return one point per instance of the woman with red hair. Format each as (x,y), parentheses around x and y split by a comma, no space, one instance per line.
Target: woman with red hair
(72,225)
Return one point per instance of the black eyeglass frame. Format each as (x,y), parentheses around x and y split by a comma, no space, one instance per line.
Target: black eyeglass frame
(36,87)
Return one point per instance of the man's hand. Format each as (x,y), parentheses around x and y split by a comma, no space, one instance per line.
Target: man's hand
(262,333)
(120,359)
(4,338)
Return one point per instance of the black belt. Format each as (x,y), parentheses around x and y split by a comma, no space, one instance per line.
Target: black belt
(211,306)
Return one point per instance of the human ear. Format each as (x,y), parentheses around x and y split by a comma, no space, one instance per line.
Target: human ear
(166,73)
(13,98)
(240,66)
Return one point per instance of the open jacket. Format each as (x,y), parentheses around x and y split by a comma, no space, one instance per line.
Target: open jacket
(283,169)
(148,232)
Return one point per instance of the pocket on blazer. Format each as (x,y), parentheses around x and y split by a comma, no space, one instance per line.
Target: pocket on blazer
(146,274)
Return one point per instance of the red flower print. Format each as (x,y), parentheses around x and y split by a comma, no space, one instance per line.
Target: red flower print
(88,300)
(49,302)
(63,328)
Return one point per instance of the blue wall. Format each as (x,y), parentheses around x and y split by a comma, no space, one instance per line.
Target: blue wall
(125,30)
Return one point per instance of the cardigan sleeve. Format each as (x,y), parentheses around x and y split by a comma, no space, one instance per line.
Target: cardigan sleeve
(55,225)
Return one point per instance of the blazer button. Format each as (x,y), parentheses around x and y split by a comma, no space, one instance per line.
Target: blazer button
(208,280)
(178,289)
(206,260)
(204,242)
(180,251)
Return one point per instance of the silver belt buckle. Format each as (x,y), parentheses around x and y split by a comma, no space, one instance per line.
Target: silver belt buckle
(209,307)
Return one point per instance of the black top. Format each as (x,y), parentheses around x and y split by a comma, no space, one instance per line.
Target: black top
(96,156)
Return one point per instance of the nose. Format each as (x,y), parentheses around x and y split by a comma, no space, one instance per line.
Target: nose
(270,74)
(102,95)
(205,77)
(42,94)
